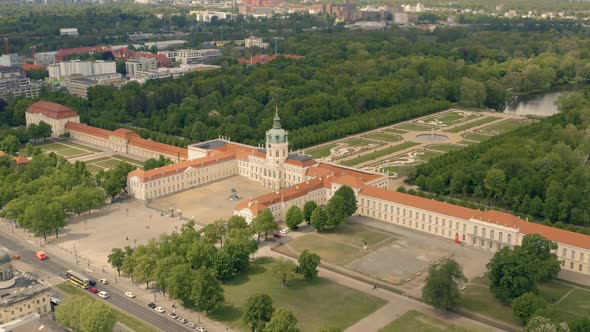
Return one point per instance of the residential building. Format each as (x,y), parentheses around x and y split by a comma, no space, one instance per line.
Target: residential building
(140,64)
(143,76)
(68,32)
(404,18)
(207,15)
(45,58)
(84,68)
(78,85)
(254,42)
(193,57)
(22,295)
(9,60)
(14,81)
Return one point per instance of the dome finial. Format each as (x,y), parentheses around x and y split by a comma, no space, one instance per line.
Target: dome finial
(276,111)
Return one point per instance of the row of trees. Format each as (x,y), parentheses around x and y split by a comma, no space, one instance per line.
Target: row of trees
(538,170)
(79,313)
(339,208)
(10,144)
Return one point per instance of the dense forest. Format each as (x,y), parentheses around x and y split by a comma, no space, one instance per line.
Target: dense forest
(540,170)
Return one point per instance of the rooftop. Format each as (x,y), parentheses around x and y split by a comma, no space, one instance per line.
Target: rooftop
(26,286)
(52,110)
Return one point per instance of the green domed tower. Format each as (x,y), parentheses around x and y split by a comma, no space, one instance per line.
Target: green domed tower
(277,142)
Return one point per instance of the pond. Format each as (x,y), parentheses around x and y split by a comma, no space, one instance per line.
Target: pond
(541,104)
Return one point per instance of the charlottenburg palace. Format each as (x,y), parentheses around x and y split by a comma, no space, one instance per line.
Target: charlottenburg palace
(293,179)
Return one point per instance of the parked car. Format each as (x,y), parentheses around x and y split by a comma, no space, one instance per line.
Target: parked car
(93,290)
(160,309)
(277,235)
(285,230)
(201,329)
(92,282)
(152,305)
(41,255)
(191,325)
(129,294)
(182,320)
(172,315)
(54,299)
(103,281)
(103,294)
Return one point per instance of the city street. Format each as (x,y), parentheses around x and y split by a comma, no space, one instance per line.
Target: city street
(117,298)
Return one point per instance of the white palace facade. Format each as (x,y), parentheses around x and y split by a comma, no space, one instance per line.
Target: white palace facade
(293,179)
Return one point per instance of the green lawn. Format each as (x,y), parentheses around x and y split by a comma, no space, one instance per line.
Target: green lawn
(92,161)
(53,146)
(80,146)
(472,124)
(110,163)
(464,142)
(378,154)
(505,126)
(130,321)
(414,127)
(320,152)
(70,152)
(383,137)
(129,160)
(92,168)
(427,155)
(342,245)
(357,142)
(316,304)
(476,137)
(445,147)
(400,170)
(418,322)
(395,131)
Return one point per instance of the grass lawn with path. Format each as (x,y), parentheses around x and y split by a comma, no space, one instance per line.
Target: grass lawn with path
(129,321)
(476,137)
(401,171)
(395,131)
(383,137)
(464,142)
(378,154)
(316,304)
(505,126)
(357,142)
(418,322)
(320,152)
(472,124)
(414,127)
(445,147)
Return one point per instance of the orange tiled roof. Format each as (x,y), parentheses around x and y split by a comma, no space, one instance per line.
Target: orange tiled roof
(52,110)
(323,169)
(89,130)
(30,66)
(305,163)
(285,194)
(20,159)
(125,133)
(167,149)
(491,216)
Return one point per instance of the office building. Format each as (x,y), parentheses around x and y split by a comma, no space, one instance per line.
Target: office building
(193,57)
(84,68)
(14,81)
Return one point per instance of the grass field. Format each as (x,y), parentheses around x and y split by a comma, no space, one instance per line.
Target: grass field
(341,246)
(395,131)
(478,298)
(129,160)
(378,154)
(414,127)
(504,126)
(320,152)
(476,137)
(316,304)
(105,163)
(123,318)
(450,118)
(418,322)
(357,142)
(383,137)
(472,124)
(66,149)
(445,147)
(400,170)
(464,142)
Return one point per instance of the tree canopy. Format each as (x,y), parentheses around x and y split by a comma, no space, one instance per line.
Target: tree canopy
(442,284)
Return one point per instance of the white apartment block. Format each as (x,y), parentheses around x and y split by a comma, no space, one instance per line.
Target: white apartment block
(142,64)
(254,42)
(193,57)
(84,68)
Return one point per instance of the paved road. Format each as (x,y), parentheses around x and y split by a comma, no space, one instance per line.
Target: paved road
(117,298)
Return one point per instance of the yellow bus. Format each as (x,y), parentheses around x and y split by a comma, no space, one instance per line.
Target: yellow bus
(78,279)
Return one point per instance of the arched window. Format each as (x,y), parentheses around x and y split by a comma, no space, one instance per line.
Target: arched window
(492,234)
(277,153)
(475,230)
(509,238)
(483,232)
(500,236)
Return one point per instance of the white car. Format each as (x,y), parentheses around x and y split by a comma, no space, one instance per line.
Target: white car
(54,299)
(160,309)
(201,329)
(103,281)
(285,230)
(181,319)
(103,294)
(129,294)
(191,325)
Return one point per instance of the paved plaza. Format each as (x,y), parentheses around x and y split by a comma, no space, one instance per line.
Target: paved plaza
(210,202)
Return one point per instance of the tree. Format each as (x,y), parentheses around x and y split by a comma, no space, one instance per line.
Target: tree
(97,317)
(495,182)
(258,311)
(44,217)
(580,325)
(472,93)
(542,324)
(179,284)
(10,145)
(442,284)
(511,274)
(319,218)
(283,269)
(525,306)
(69,310)
(155,163)
(308,264)
(264,223)
(294,217)
(541,251)
(40,130)
(216,231)
(282,320)
(117,258)
(308,209)
(336,211)
(347,193)
(207,292)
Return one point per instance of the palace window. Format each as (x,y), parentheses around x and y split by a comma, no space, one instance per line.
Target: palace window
(581,257)
(475,230)
(500,236)
(464,227)
(509,238)
(423,217)
(492,234)
(483,232)
(482,243)
(580,267)
(573,254)
(572,265)
(564,252)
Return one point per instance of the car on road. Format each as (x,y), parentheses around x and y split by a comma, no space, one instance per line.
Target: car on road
(285,231)
(41,255)
(277,235)
(191,325)
(15,257)
(172,315)
(152,305)
(129,294)
(182,320)
(103,281)
(93,290)
(160,309)
(103,294)
(92,282)
(201,329)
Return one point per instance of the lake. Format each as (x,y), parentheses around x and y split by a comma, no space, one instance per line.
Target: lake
(542,104)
